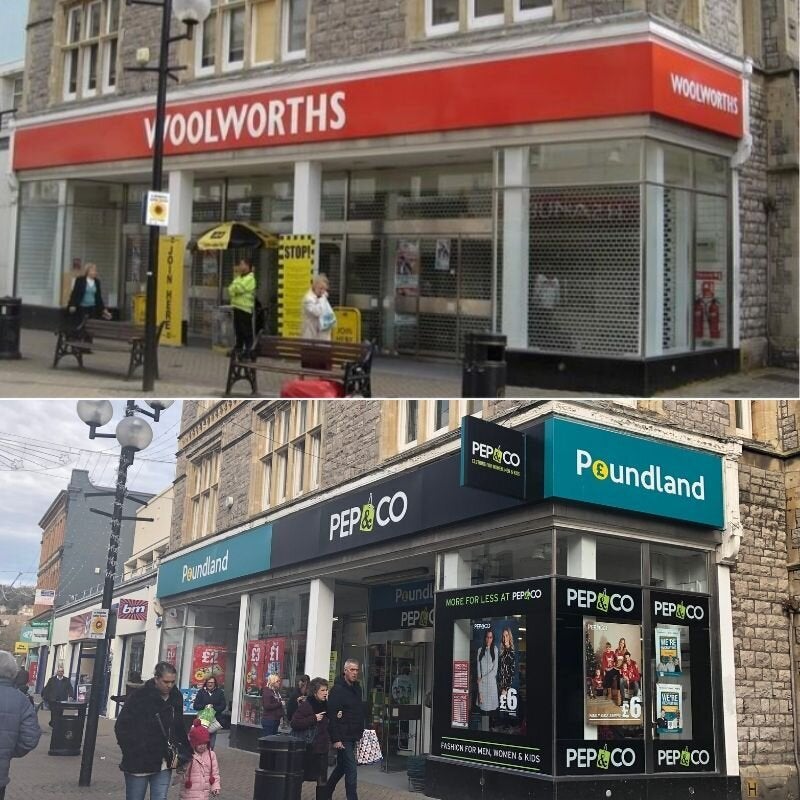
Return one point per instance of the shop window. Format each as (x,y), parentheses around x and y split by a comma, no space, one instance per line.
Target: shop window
(276,644)
(205,486)
(678,568)
(509,559)
(603,558)
(89,49)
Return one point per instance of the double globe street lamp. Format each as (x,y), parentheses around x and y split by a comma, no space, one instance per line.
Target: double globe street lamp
(133,434)
(190,13)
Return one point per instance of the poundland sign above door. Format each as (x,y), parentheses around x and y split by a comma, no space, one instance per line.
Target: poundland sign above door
(244,554)
(609,468)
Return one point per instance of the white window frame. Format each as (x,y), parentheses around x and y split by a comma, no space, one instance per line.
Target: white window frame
(314,458)
(205,494)
(108,16)
(402,422)
(746,409)
(492,21)
(71,17)
(227,64)
(281,470)
(430,418)
(69,54)
(286,53)
(86,54)
(99,6)
(444,29)
(105,59)
(520,15)
(210,21)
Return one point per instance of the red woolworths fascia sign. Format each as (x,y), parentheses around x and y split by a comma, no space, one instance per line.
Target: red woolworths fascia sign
(610,81)
(132,609)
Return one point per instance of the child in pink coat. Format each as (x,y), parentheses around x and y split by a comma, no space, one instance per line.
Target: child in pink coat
(201,779)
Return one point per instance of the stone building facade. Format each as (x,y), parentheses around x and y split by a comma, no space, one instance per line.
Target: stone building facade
(362,441)
(438,210)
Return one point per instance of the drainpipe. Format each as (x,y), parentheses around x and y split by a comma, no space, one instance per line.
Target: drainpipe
(791,609)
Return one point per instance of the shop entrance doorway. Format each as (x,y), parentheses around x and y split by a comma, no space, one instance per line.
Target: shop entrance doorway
(396,677)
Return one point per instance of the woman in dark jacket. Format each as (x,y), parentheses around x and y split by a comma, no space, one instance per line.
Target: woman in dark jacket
(297,695)
(86,299)
(313,713)
(214,696)
(271,705)
(152,718)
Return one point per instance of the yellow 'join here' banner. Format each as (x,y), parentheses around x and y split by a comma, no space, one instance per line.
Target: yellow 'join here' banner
(170,288)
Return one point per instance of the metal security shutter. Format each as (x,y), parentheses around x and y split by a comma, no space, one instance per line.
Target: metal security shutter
(36,248)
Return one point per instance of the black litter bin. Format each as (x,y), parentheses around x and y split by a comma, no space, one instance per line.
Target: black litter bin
(279,775)
(10,318)
(484,372)
(68,721)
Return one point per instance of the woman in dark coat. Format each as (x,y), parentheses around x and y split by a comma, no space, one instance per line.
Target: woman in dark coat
(313,712)
(86,298)
(296,696)
(151,718)
(211,695)
(272,709)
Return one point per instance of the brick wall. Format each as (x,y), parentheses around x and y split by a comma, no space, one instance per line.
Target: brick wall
(341,29)
(350,440)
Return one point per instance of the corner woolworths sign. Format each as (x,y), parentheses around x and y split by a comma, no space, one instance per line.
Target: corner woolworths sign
(619,470)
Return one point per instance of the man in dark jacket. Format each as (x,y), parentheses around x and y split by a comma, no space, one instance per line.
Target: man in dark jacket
(346,715)
(149,725)
(57,690)
(19,729)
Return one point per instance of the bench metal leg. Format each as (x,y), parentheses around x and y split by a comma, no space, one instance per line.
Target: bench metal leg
(137,359)
(64,348)
(240,372)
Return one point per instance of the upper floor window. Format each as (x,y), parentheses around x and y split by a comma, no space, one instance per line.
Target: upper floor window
(89,48)
(290,444)
(246,33)
(422,420)
(451,16)
(16,93)
(204,487)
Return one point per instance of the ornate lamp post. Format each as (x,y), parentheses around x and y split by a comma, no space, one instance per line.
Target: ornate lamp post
(133,434)
(190,13)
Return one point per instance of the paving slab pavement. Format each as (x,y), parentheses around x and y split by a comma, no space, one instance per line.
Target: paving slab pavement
(39,775)
(201,372)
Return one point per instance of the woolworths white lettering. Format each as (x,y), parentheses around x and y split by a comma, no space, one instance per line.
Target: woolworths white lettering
(210,566)
(652,478)
(297,114)
(706,95)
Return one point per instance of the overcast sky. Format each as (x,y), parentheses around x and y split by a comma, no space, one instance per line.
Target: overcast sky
(41,442)
(13,18)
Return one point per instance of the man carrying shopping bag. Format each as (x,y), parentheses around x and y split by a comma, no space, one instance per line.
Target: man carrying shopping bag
(346,715)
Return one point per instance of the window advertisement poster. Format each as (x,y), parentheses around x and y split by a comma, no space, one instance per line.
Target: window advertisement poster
(254,678)
(485,710)
(208,661)
(600,682)
(407,267)
(188,699)
(683,700)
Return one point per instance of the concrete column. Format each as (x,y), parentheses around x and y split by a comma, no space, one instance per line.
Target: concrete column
(308,202)
(181,198)
(454,571)
(728,663)
(516,244)
(320,628)
(241,655)
(582,557)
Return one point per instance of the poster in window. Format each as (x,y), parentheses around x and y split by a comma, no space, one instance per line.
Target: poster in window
(668,651)
(442,255)
(208,661)
(171,655)
(612,675)
(254,675)
(276,648)
(669,708)
(406,261)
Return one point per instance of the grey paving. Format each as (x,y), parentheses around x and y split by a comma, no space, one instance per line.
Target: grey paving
(201,372)
(39,775)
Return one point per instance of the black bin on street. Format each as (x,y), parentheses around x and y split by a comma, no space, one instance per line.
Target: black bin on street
(279,775)
(10,320)
(68,721)
(484,373)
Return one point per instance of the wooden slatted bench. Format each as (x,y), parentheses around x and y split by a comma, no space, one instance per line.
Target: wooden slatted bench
(95,335)
(350,363)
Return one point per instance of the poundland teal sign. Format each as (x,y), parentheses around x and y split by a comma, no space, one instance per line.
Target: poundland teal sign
(245,554)
(609,468)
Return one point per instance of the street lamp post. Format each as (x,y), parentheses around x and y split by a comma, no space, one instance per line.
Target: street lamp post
(190,13)
(133,434)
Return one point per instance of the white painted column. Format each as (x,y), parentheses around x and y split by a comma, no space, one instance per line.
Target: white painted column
(653,304)
(729,719)
(320,628)
(455,571)
(241,655)
(63,242)
(736,243)
(308,203)
(181,198)
(516,244)
(582,557)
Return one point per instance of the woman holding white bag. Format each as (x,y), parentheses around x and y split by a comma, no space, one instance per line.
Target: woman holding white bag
(318,316)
